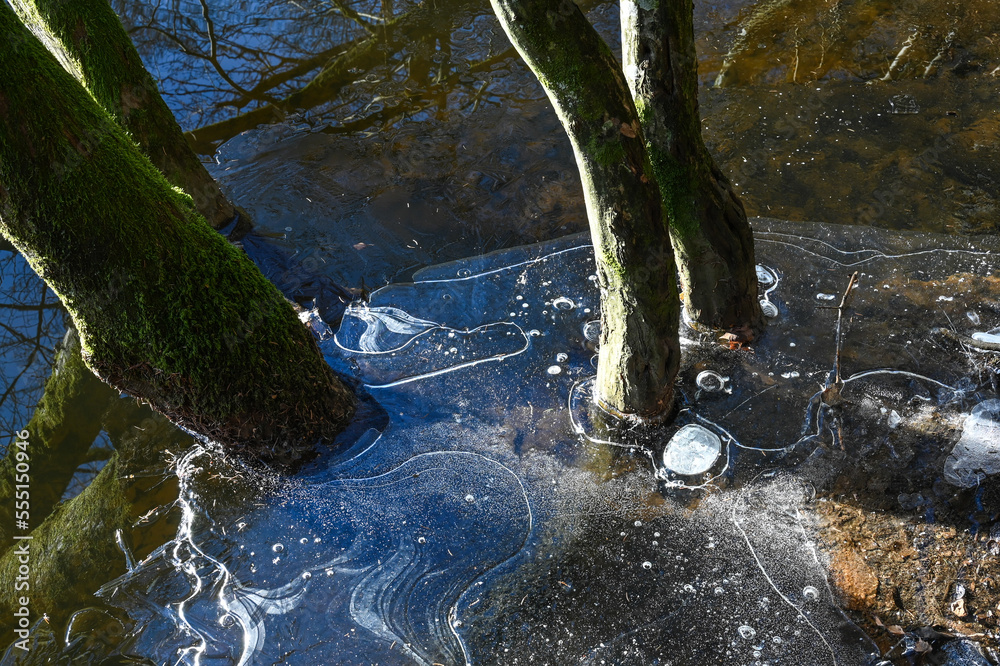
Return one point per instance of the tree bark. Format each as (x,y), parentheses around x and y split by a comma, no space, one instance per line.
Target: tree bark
(167,310)
(639,353)
(711,236)
(98,52)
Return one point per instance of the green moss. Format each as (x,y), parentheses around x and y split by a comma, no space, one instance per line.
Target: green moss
(166,308)
(676,183)
(104,59)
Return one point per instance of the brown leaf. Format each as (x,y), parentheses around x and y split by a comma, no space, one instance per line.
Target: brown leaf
(629,130)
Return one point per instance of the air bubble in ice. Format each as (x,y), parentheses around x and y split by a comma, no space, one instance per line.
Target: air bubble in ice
(977,453)
(810,593)
(277,547)
(647,565)
(709,380)
(765,277)
(826,297)
(554,370)
(592,330)
(563,303)
(534,332)
(421,540)
(306,575)
(692,450)
(746,631)
(973,317)
(562,357)
(790,375)
(470,498)
(986,337)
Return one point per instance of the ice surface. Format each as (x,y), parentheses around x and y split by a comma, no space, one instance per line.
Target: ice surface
(692,450)
(489,518)
(977,453)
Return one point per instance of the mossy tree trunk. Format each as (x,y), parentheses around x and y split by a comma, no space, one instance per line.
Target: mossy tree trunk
(167,310)
(92,45)
(711,237)
(639,351)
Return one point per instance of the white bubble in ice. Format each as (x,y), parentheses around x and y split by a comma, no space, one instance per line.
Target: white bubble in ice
(810,593)
(973,317)
(562,357)
(825,297)
(563,303)
(647,565)
(421,540)
(692,450)
(278,547)
(746,631)
(592,330)
(769,309)
(306,575)
(986,337)
(709,380)
(534,332)
(638,523)
(470,498)
(554,370)
(765,276)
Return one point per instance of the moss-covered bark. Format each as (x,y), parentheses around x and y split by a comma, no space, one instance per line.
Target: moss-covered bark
(66,422)
(639,352)
(95,48)
(167,310)
(711,237)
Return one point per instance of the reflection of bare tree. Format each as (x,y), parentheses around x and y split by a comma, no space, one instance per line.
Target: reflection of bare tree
(31,321)
(386,55)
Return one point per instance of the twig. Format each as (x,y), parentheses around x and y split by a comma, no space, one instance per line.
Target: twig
(840,317)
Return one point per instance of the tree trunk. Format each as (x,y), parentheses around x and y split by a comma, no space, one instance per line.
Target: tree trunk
(98,52)
(639,353)
(66,422)
(167,310)
(711,237)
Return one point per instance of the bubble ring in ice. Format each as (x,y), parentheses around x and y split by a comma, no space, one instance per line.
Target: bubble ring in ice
(765,276)
(711,381)
(592,330)
(810,593)
(769,309)
(692,450)
(563,303)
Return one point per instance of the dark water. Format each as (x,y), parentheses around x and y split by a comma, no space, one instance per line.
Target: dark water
(443,148)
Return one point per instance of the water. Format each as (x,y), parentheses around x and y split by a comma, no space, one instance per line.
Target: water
(578,544)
